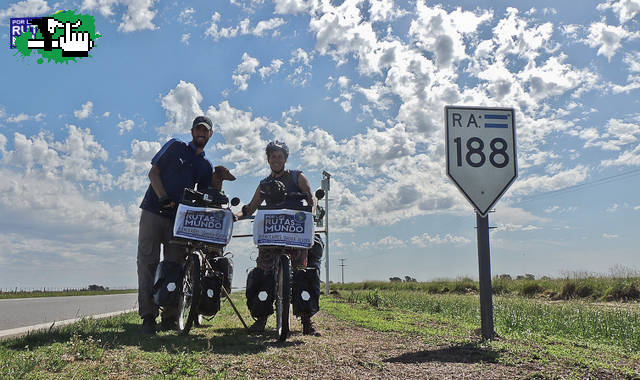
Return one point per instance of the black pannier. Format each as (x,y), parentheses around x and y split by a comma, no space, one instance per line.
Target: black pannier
(306,291)
(315,252)
(224,265)
(168,284)
(260,293)
(210,294)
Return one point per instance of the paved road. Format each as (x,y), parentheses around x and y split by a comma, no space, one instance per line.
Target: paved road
(23,312)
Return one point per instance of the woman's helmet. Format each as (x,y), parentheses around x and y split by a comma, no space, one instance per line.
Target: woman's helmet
(278,145)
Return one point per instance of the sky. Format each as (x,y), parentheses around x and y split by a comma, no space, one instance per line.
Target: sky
(356,88)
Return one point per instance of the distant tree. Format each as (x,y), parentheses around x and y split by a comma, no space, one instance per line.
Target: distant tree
(504,277)
(409,279)
(395,279)
(95,288)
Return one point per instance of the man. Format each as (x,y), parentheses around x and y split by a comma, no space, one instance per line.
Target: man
(294,181)
(176,166)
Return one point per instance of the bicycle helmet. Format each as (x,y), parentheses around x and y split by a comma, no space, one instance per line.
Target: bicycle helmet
(278,145)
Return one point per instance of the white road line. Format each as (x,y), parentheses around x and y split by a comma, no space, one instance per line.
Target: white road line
(20,331)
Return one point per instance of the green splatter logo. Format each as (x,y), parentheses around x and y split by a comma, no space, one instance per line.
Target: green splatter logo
(61,37)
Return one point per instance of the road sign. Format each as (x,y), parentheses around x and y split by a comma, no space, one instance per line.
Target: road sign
(481,152)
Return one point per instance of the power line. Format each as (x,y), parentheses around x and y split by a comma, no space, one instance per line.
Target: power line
(581,186)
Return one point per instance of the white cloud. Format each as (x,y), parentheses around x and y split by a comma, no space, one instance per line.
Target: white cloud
(626,9)
(106,114)
(26,8)
(515,227)
(293,6)
(613,208)
(139,14)
(385,10)
(243,28)
(557,181)
(85,111)
(609,236)
(244,71)
(384,243)
(186,16)
(301,61)
(426,240)
(18,118)
(125,126)
(137,165)
(273,68)
(185,38)
(617,135)
(607,38)
(182,105)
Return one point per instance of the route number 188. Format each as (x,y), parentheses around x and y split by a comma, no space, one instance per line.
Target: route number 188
(476,157)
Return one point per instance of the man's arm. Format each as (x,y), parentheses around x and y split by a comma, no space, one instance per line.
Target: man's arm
(158,187)
(303,184)
(250,208)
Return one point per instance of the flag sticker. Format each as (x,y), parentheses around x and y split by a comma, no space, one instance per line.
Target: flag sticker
(495,124)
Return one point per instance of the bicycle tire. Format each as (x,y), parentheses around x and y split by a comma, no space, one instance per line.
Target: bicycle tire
(190,296)
(283,296)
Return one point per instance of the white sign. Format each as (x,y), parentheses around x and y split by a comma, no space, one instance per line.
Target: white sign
(212,225)
(288,228)
(481,152)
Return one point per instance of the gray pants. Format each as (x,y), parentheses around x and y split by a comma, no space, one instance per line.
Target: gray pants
(154,230)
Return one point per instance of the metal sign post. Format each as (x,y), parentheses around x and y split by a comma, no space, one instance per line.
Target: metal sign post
(481,162)
(326,177)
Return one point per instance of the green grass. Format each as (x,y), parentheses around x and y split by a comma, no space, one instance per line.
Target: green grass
(62,293)
(589,339)
(574,286)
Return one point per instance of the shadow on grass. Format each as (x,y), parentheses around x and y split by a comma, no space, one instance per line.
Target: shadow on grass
(462,353)
(117,333)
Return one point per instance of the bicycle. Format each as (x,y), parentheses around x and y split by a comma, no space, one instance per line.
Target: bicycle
(297,235)
(204,225)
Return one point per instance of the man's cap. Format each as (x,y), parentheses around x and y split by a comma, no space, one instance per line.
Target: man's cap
(204,121)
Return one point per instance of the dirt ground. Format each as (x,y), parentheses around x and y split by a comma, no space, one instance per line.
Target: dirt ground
(345,351)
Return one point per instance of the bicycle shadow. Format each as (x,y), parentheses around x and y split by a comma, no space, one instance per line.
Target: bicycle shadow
(232,341)
(461,353)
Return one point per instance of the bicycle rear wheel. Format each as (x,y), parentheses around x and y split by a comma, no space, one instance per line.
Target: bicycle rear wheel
(190,296)
(283,296)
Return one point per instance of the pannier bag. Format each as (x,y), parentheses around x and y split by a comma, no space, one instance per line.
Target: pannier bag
(260,293)
(210,294)
(306,291)
(168,283)
(315,252)
(225,266)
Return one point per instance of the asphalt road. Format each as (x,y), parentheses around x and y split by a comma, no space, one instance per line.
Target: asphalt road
(22,312)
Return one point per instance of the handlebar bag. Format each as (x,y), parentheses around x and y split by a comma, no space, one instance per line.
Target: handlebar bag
(211,225)
(287,228)
(168,283)
(210,294)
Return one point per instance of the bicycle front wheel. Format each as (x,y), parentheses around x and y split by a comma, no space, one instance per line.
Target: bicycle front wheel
(283,296)
(190,296)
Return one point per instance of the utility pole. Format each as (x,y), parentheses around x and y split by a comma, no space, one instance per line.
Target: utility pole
(342,265)
(326,177)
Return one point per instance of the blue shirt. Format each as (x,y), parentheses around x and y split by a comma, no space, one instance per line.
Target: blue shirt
(180,167)
(290,181)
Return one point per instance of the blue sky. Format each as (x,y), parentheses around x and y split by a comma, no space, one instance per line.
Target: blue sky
(356,88)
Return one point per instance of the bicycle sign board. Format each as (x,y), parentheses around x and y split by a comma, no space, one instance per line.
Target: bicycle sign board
(481,152)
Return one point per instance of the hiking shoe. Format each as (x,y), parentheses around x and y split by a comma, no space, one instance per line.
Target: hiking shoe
(258,326)
(307,327)
(149,325)
(169,323)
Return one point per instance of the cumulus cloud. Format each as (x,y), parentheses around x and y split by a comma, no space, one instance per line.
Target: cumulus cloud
(125,126)
(138,16)
(26,8)
(243,28)
(136,165)
(625,9)
(85,111)
(607,38)
(426,240)
(185,38)
(244,71)
(273,68)
(384,243)
(181,105)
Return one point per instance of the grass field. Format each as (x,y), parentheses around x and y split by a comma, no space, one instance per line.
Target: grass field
(367,333)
